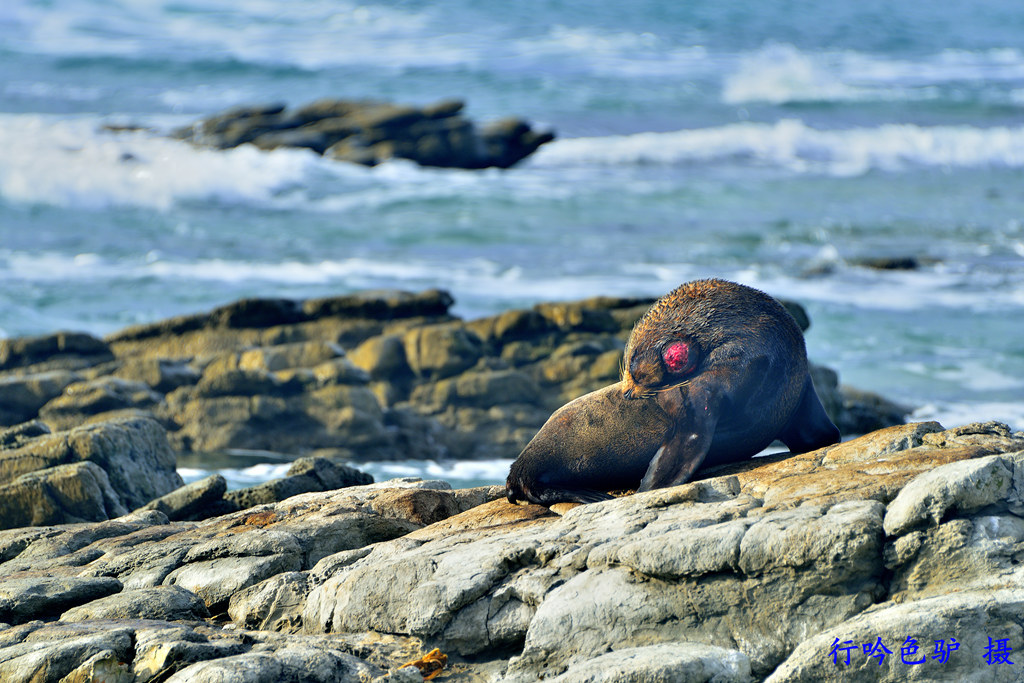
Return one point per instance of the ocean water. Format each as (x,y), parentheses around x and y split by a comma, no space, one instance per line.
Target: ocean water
(773,145)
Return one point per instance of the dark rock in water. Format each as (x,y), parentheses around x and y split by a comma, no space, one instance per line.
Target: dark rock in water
(381,304)
(890,262)
(369,132)
(509,140)
(863,411)
(799,314)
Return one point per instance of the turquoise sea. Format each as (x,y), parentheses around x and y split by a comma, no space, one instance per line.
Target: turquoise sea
(773,143)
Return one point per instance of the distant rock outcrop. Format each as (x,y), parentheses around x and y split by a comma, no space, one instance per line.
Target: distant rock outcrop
(369,132)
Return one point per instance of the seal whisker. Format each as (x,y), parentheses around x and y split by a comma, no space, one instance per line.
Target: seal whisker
(677,385)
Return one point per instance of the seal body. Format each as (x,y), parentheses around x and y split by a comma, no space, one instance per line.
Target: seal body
(713,373)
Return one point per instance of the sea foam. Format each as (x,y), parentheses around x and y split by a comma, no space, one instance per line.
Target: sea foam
(69,162)
(781,73)
(793,145)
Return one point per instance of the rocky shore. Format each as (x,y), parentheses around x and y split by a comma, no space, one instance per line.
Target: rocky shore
(909,537)
(369,132)
(775,569)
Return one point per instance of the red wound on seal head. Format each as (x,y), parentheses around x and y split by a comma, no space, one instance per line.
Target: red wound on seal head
(676,356)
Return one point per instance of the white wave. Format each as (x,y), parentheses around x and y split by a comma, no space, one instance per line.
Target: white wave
(73,162)
(791,144)
(35,89)
(85,267)
(238,478)
(919,290)
(781,73)
(484,286)
(979,378)
(995,66)
(310,34)
(68,162)
(613,53)
(950,414)
(457,472)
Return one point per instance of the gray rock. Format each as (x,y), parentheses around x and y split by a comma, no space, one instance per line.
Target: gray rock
(160,602)
(61,350)
(970,618)
(94,397)
(65,494)
(30,549)
(105,666)
(50,654)
(193,501)
(753,561)
(21,396)
(312,665)
(305,475)
(964,486)
(664,663)
(133,453)
(757,572)
(330,475)
(220,557)
(272,605)
(38,597)
(215,581)
(143,651)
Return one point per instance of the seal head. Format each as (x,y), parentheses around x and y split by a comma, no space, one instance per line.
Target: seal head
(738,358)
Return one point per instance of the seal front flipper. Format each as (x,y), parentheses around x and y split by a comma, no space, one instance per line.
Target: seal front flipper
(810,427)
(694,411)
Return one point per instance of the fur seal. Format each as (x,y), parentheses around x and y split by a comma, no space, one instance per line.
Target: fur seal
(713,373)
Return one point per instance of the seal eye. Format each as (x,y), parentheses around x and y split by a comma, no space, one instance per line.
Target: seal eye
(677,357)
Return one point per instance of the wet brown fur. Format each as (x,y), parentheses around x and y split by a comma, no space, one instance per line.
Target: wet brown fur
(749,386)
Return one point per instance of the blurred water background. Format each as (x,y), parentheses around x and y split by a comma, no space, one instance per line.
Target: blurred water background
(751,141)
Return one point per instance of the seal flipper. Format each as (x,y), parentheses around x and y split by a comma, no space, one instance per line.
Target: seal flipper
(810,427)
(687,446)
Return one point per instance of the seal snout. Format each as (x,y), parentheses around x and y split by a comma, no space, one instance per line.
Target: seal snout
(644,372)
